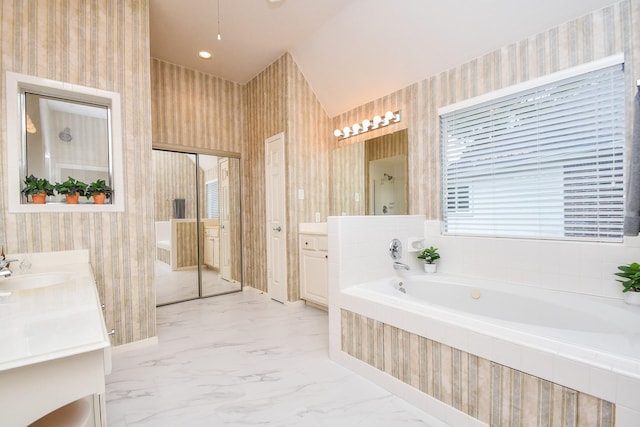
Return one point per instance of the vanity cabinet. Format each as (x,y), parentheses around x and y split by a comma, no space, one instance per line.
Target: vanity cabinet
(212,247)
(314,268)
(54,345)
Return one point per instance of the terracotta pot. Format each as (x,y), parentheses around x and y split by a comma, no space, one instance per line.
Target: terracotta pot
(98,199)
(39,199)
(72,199)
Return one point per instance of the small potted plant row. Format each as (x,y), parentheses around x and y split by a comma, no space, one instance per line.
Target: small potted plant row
(40,188)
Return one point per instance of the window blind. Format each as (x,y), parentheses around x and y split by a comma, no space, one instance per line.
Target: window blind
(212,199)
(546,162)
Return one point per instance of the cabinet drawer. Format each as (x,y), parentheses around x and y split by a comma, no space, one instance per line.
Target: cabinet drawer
(313,242)
(211,231)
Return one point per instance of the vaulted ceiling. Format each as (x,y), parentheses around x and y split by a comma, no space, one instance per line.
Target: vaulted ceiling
(350,51)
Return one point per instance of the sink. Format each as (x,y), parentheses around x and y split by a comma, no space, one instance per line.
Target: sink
(32,281)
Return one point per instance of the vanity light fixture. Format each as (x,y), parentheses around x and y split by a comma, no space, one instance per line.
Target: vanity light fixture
(389,117)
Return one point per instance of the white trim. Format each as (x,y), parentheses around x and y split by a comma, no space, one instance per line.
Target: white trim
(132,346)
(530,84)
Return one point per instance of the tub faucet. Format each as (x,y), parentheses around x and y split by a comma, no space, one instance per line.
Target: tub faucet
(400,266)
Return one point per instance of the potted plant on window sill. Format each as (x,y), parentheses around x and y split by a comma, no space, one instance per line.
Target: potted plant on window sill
(38,189)
(429,255)
(631,283)
(99,190)
(72,189)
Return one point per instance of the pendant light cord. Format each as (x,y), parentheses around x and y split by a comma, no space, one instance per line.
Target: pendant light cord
(219,36)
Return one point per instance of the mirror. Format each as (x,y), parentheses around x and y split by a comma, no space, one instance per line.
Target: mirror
(371,177)
(66,138)
(197,225)
(57,130)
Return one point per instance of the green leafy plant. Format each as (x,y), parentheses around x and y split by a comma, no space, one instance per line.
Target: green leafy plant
(34,185)
(631,274)
(98,187)
(429,255)
(71,186)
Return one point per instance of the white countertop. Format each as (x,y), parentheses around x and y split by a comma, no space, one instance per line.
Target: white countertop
(312,228)
(51,322)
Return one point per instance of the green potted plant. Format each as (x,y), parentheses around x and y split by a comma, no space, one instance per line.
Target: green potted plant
(37,188)
(99,190)
(630,274)
(429,256)
(72,189)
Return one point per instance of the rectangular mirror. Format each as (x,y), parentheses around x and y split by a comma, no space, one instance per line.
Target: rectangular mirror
(371,177)
(66,138)
(58,130)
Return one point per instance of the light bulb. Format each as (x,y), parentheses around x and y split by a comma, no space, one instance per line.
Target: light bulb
(356,128)
(346,131)
(337,133)
(366,124)
(388,115)
(376,122)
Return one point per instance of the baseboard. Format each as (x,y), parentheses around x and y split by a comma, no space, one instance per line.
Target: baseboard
(136,345)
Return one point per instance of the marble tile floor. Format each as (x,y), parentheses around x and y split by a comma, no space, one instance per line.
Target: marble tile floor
(179,285)
(242,360)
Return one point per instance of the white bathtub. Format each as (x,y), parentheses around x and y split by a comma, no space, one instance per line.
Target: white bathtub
(589,328)
(590,344)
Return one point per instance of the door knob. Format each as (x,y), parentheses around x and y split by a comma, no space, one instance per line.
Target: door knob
(278,228)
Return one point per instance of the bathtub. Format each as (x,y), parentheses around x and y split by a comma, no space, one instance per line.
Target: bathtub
(583,343)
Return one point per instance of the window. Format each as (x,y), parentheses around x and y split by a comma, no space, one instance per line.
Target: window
(545,162)
(212,199)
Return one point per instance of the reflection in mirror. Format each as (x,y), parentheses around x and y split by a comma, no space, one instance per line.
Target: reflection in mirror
(66,138)
(197,214)
(221,220)
(57,130)
(371,177)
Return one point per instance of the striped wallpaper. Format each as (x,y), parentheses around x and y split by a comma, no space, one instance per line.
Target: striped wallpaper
(597,35)
(101,44)
(280,100)
(174,178)
(490,392)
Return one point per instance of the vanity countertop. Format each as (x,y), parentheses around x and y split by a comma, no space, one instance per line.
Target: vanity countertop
(52,322)
(312,228)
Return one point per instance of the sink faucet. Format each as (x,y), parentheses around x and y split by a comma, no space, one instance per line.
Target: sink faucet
(400,266)
(4,269)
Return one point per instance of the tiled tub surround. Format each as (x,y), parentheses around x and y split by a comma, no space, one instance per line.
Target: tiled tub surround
(358,248)
(491,392)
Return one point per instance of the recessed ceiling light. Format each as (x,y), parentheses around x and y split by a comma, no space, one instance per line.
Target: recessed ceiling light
(275,3)
(203,54)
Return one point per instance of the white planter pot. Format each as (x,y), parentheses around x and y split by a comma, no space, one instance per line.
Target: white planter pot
(430,268)
(632,298)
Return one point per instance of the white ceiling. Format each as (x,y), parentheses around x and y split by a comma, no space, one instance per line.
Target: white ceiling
(351,51)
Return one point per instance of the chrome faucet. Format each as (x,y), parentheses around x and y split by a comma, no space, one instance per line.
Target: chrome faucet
(400,266)
(4,269)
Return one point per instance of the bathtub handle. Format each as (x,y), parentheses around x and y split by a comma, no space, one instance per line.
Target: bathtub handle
(395,249)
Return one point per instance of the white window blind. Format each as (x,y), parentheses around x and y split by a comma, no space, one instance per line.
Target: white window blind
(212,199)
(546,162)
